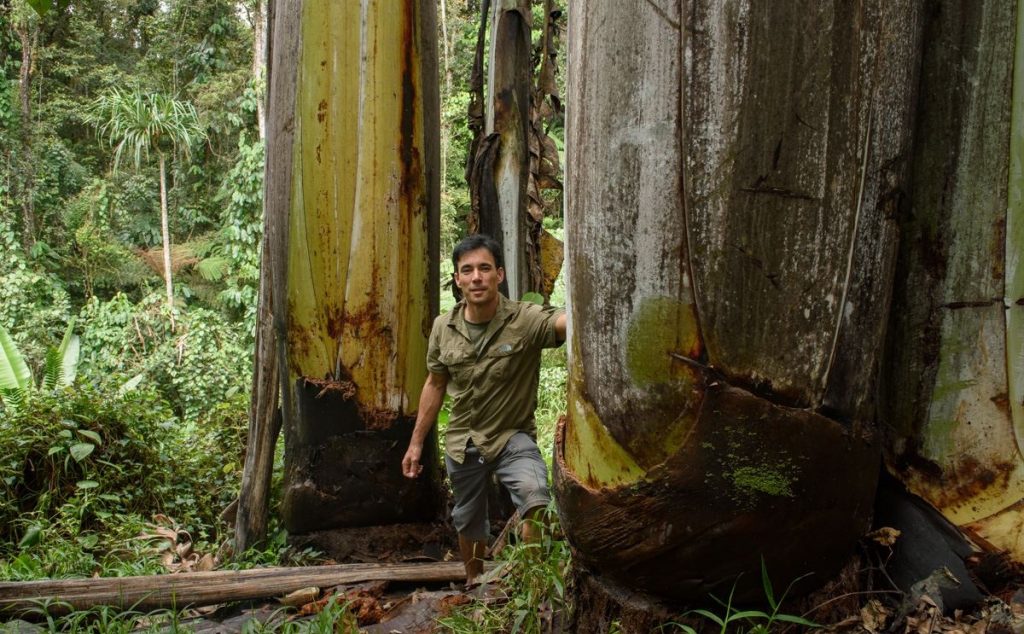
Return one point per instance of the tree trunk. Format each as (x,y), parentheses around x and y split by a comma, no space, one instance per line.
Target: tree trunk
(28,34)
(731,243)
(166,234)
(264,410)
(955,374)
(503,162)
(178,591)
(259,61)
(511,157)
(264,423)
(446,55)
(360,194)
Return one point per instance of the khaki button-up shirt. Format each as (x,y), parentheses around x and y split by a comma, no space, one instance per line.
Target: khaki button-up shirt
(494,393)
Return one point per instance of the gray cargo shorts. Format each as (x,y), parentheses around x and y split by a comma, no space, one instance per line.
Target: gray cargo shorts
(519,467)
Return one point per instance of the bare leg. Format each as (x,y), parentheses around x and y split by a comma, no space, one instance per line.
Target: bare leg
(533,525)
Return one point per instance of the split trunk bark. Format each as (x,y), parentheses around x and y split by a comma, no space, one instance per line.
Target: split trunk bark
(354,105)
(731,244)
(259,60)
(511,157)
(954,390)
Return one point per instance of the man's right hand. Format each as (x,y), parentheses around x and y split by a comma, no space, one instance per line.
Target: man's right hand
(411,467)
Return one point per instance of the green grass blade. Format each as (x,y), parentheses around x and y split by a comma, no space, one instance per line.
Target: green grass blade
(797,620)
(766,583)
(711,616)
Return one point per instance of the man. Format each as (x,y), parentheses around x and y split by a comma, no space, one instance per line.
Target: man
(486,353)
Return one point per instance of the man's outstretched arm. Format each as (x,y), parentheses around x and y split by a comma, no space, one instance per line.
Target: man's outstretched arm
(431,398)
(560,327)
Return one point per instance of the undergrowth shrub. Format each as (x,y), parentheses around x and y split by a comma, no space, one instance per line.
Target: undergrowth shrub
(202,362)
(85,469)
(528,593)
(34,305)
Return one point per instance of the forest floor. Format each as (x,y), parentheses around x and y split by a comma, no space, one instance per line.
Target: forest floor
(393,607)
(531,592)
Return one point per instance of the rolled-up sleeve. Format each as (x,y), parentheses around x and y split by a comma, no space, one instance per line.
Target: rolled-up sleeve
(434,364)
(542,320)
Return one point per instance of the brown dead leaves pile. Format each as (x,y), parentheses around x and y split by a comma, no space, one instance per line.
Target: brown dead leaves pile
(927,618)
(174,546)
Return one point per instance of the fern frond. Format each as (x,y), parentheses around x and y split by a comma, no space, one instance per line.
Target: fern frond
(51,370)
(213,268)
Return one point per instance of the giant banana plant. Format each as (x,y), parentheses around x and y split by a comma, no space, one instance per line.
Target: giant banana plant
(734,172)
(954,388)
(512,158)
(353,193)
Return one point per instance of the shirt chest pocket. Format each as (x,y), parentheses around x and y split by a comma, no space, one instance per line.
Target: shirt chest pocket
(502,358)
(459,363)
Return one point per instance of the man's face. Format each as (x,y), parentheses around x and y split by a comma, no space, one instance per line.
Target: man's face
(478,277)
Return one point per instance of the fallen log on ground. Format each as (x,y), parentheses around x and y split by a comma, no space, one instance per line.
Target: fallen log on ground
(206,588)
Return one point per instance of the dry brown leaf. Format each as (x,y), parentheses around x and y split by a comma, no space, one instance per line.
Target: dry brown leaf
(183,549)
(874,615)
(206,562)
(551,256)
(885,536)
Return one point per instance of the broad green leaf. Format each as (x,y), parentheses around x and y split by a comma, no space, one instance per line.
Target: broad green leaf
(131,383)
(88,541)
(55,449)
(41,6)
(535,298)
(91,435)
(14,372)
(87,484)
(81,450)
(31,537)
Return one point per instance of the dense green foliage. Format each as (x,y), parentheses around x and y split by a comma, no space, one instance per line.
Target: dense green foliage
(152,428)
(155,421)
(84,468)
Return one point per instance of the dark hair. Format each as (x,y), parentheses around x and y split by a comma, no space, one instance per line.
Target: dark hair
(474,242)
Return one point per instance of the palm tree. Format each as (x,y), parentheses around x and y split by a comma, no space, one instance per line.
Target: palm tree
(140,122)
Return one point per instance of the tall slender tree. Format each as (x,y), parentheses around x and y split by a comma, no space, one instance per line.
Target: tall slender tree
(138,123)
(26,26)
